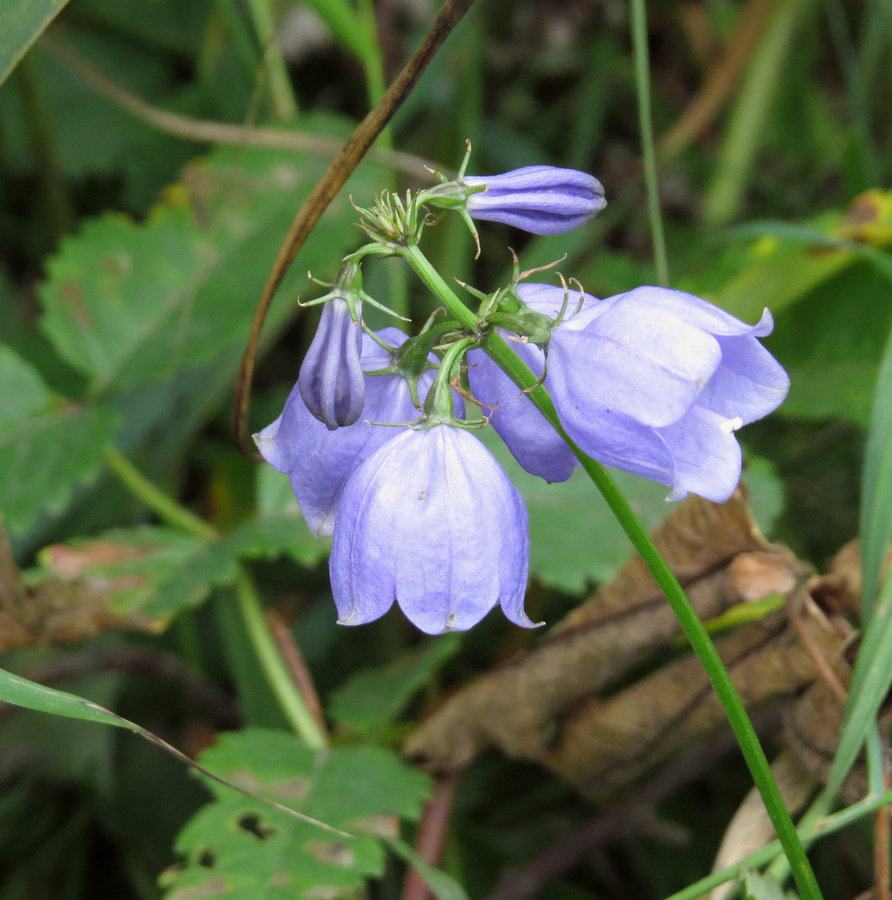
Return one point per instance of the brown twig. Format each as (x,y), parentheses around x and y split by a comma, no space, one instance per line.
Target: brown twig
(326,190)
(720,79)
(824,669)
(294,660)
(207,131)
(431,835)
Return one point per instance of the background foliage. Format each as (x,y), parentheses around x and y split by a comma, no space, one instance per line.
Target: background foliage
(152,156)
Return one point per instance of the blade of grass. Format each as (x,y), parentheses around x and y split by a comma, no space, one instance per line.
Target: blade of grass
(642,88)
(747,124)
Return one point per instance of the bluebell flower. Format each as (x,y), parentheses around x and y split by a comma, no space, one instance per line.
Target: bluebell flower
(538,199)
(525,431)
(656,381)
(320,460)
(331,380)
(430,521)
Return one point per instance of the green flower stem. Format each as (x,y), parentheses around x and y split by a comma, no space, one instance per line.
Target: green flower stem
(807,832)
(642,87)
(277,675)
(167,509)
(502,354)
(250,608)
(694,630)
(438,286)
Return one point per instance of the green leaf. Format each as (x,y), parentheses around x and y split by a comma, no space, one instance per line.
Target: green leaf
(29,694)
(130,303)
(372,698)
(240,850)
(871,679)
(158,572)
(21,23)
(876,485)
(47,447)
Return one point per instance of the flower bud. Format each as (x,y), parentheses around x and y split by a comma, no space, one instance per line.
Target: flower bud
(331,379)
(538,199)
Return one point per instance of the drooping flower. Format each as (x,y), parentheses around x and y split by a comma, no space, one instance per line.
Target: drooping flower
(430,521)
(657,381)
(320,460)
(538,199)
(331,380)
(525,431)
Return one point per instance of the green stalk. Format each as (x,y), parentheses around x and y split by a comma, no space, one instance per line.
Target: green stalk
(746,126)
(250,608)
(166,508)
(281,93)
(502,354)
(642,88)
(293,706)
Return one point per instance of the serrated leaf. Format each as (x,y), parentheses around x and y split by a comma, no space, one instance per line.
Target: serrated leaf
(21,23)
(129,303)
(240,850)
(216,564)
(47,448)
(128,565)
(372,698)
(158,572)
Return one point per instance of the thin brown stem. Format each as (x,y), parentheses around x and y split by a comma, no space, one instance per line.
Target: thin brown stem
(207,131)
(720,79)
(325,191)
(431,835)
(294,661)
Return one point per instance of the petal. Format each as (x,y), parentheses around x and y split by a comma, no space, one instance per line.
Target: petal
(650,367)
(749,384)
(706,455)
(694,310)
(619,441)
(527,434)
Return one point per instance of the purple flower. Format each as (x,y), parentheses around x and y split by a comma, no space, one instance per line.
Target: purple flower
(538,199)
(432,521)
(525,431)
(320,460)
(656,381)
(331,380)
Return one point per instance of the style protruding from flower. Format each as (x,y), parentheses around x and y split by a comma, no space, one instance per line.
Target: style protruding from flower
(331,379)
(537,199)
(430,521)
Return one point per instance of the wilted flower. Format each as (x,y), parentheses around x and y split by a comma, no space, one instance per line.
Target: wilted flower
(331,380)
(432,521)
(320,460)
(538,199)
(656,381)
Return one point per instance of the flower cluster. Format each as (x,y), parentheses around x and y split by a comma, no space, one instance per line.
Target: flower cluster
(652,381)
